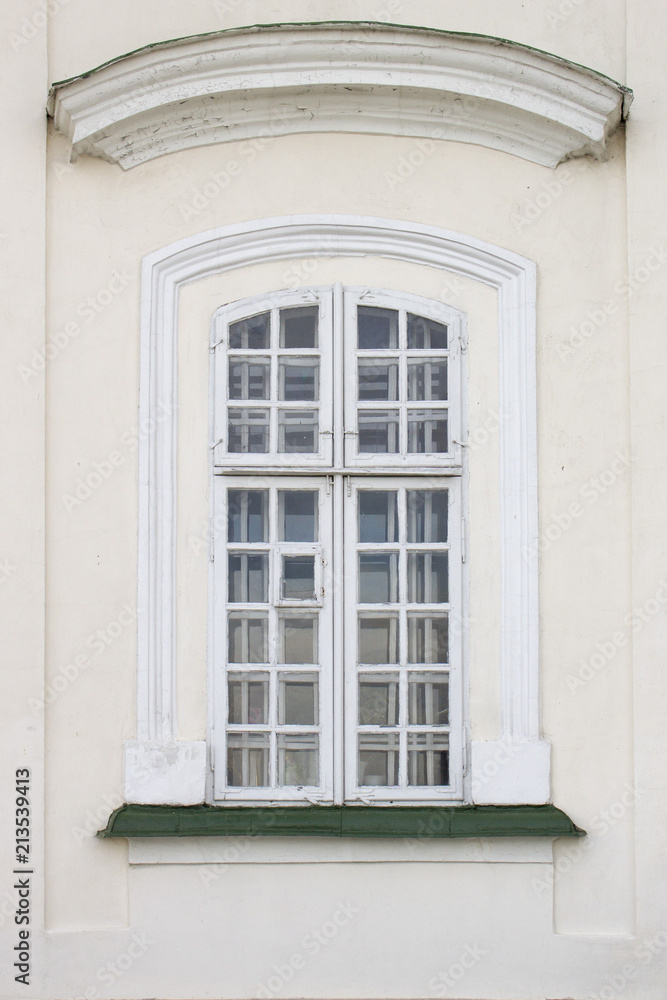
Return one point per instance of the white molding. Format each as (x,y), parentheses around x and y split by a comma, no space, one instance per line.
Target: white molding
(164,773)
(338,77)
(261,241)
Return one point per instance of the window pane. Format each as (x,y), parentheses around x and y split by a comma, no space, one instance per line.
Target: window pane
(298,639)
(425,334)
(378,758)
(298,515)
(299,379)
(427,380)
(247,512)
(378,639)
(427,577)
(378,699)
(378,577)
(248,578)
(428,699)
(248,760)
(298,327)
(377,328)
(248,699)
(298,700)
(298,759)
(427,639)
(378,380)
(248,638)
(248,431)
(427,431)
(250,334)
(428,759)
(249,379)
(298,431)
(298,578)
(377,516)
(378,432)
(427,515)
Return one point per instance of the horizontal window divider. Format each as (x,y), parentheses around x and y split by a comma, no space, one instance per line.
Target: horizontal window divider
(380,821)
(354,471)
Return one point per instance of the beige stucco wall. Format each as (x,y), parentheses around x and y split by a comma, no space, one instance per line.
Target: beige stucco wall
(542,931)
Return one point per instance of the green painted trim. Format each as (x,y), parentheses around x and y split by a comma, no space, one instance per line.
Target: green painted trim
(421,822)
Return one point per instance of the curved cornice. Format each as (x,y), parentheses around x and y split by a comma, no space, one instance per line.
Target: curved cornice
(271,80)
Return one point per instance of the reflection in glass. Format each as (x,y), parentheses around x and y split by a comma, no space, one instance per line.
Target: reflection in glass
(297,700)
(298,759)
(298,431)
(427,577)
(249,379)
(378,380)
(377,516)
(428,759)
(298,515)
(248,638)
(427,515)
(427,639)
(248,698)
(428,699)
(378,577)
(298,578)
(378,758)
(427,380)
(250,334)
(378,639)
(427,431)
(378,699)
(425,334)
(378,432)
(377,328)
(248,580)
(298,639)
(298,379)
(248,760)
(298,327)
(248,431)
(247,515)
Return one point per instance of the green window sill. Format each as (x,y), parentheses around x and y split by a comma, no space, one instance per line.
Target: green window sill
(340,821)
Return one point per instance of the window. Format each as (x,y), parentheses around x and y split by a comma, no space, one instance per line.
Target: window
(337,576)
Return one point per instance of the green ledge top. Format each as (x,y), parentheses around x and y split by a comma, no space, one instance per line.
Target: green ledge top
(340,821)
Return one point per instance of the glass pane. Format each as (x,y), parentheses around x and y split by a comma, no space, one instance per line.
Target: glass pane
(248,760)
(298,431)
(378,639)
(378,432)
(298,639)
(247,515)
(248,431)
(298,327)
(377,328)
(378,577)
(427,431)
(250,334)
(427,639)
(298,759)
(428,699)
(298,700)
(248,699)
(378,380)
(427,380)
(298,515)
(378,699)
(378,758)
(298,578)
(299,379)
(427,577)
(377,516)
(248,578)
(248,638)
(427,515)
(249,379)
(425,334)
(428,759)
